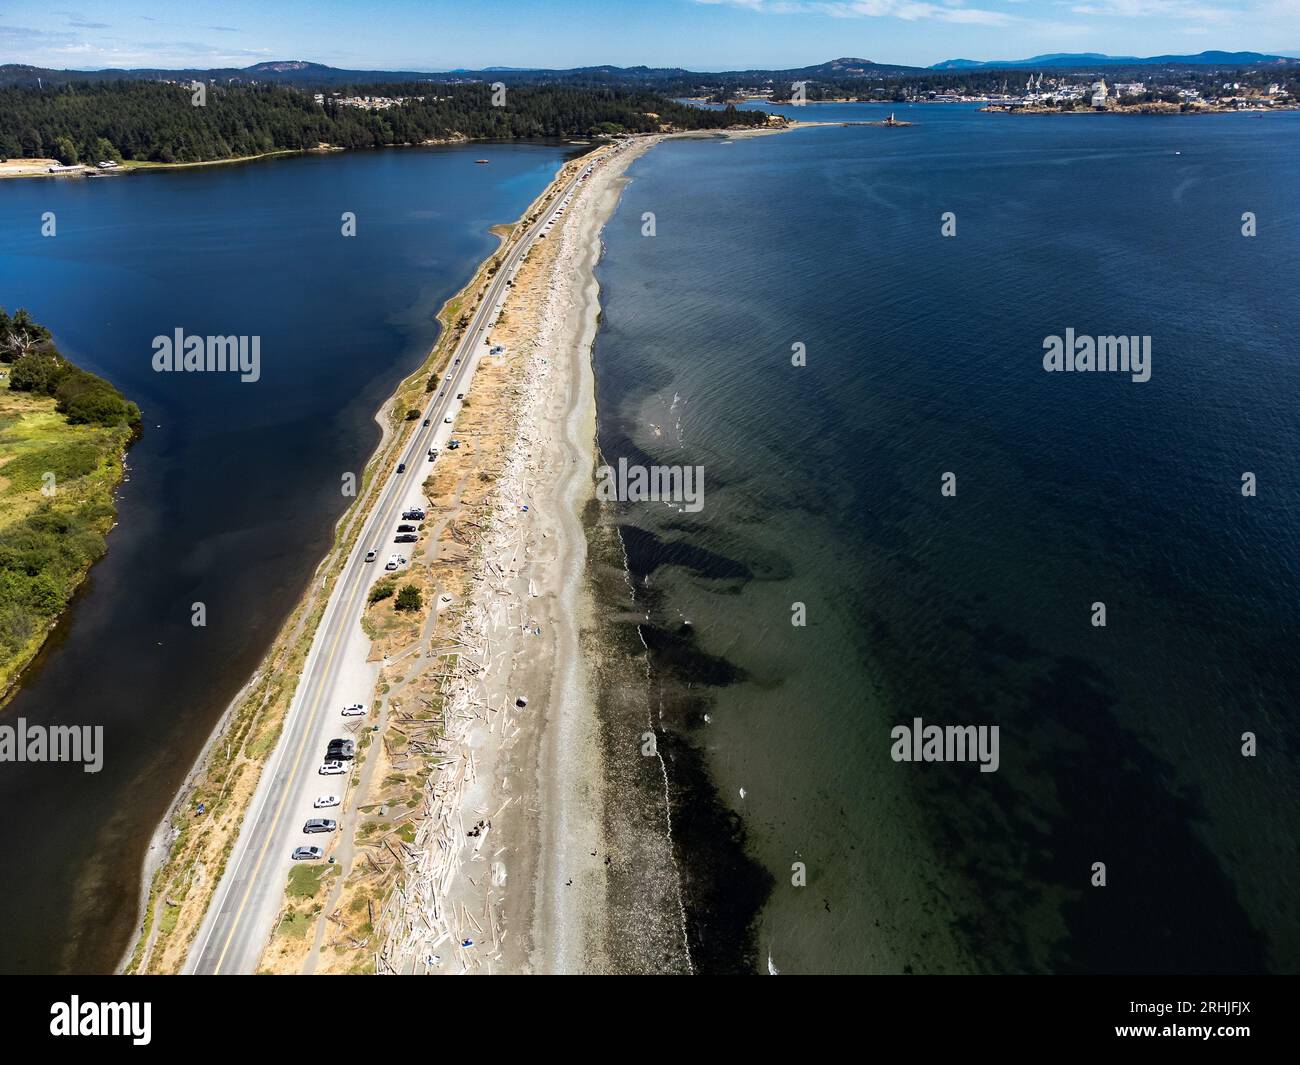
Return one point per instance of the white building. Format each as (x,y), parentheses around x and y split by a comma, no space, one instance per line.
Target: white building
(1099,93)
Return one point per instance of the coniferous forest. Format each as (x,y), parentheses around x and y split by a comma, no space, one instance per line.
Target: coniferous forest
(159,122)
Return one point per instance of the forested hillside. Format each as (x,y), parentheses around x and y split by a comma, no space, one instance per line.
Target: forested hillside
(158,122)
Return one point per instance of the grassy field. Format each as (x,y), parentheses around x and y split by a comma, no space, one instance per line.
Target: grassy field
(56,507)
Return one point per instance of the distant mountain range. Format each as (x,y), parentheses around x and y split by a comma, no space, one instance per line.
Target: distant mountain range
(1096,59)
(303,74)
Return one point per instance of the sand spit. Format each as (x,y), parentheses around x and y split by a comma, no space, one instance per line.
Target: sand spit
(478,841)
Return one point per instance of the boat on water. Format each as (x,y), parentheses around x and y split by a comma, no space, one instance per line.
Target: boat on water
(480,160)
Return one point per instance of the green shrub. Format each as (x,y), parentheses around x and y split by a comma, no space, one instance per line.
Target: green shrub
(39,372)
(409,598)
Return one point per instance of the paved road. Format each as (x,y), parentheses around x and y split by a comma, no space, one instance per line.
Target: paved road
(238,923)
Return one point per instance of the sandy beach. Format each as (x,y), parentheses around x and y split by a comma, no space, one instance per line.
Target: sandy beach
(532,878)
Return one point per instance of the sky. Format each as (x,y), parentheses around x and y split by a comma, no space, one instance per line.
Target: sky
(696,34)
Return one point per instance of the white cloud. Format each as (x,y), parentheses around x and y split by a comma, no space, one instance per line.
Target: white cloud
(906,10)
(1184,9)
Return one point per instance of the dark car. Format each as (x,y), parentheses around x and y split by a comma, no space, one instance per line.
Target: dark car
(406,538)
(320,824)
(414,514)
(340,750)
(426,421)
(460,395)
(407,528)
(401,467)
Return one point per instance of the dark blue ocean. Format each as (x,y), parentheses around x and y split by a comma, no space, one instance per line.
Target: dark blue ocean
(1120,746)
(234,488)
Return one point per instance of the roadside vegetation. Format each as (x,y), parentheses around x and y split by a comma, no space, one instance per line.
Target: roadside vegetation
(63,435)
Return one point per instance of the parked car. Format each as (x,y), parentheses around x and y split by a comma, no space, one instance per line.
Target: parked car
(407,528)
(332,768)
(341,750)
(370,555)
(320,824)
(414,514)
(406,538)
(307,854)
(446,421)
(354,710)
(396,562)
(326,801)
(460,395)
(452,445)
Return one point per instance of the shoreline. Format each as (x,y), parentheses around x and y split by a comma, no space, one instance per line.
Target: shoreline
(112,451)
(13,169)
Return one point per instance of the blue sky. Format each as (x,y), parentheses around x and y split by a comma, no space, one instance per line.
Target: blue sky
(697,34)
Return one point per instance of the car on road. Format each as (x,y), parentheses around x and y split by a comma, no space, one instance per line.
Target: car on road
(406,538)
(320,824)
(407,528)
(370,555)
(325,801)
(307,854)
(354,710)
(332,768)
(401,467)
(426,421)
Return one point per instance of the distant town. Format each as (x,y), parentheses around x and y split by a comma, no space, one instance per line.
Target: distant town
(1041,92)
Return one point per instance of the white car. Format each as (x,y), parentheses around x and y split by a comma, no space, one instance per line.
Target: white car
(325,801)
(446,421)
(354,710)
(332,769)
(396,562)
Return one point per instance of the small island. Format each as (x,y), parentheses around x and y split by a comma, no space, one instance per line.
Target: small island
(64,433)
